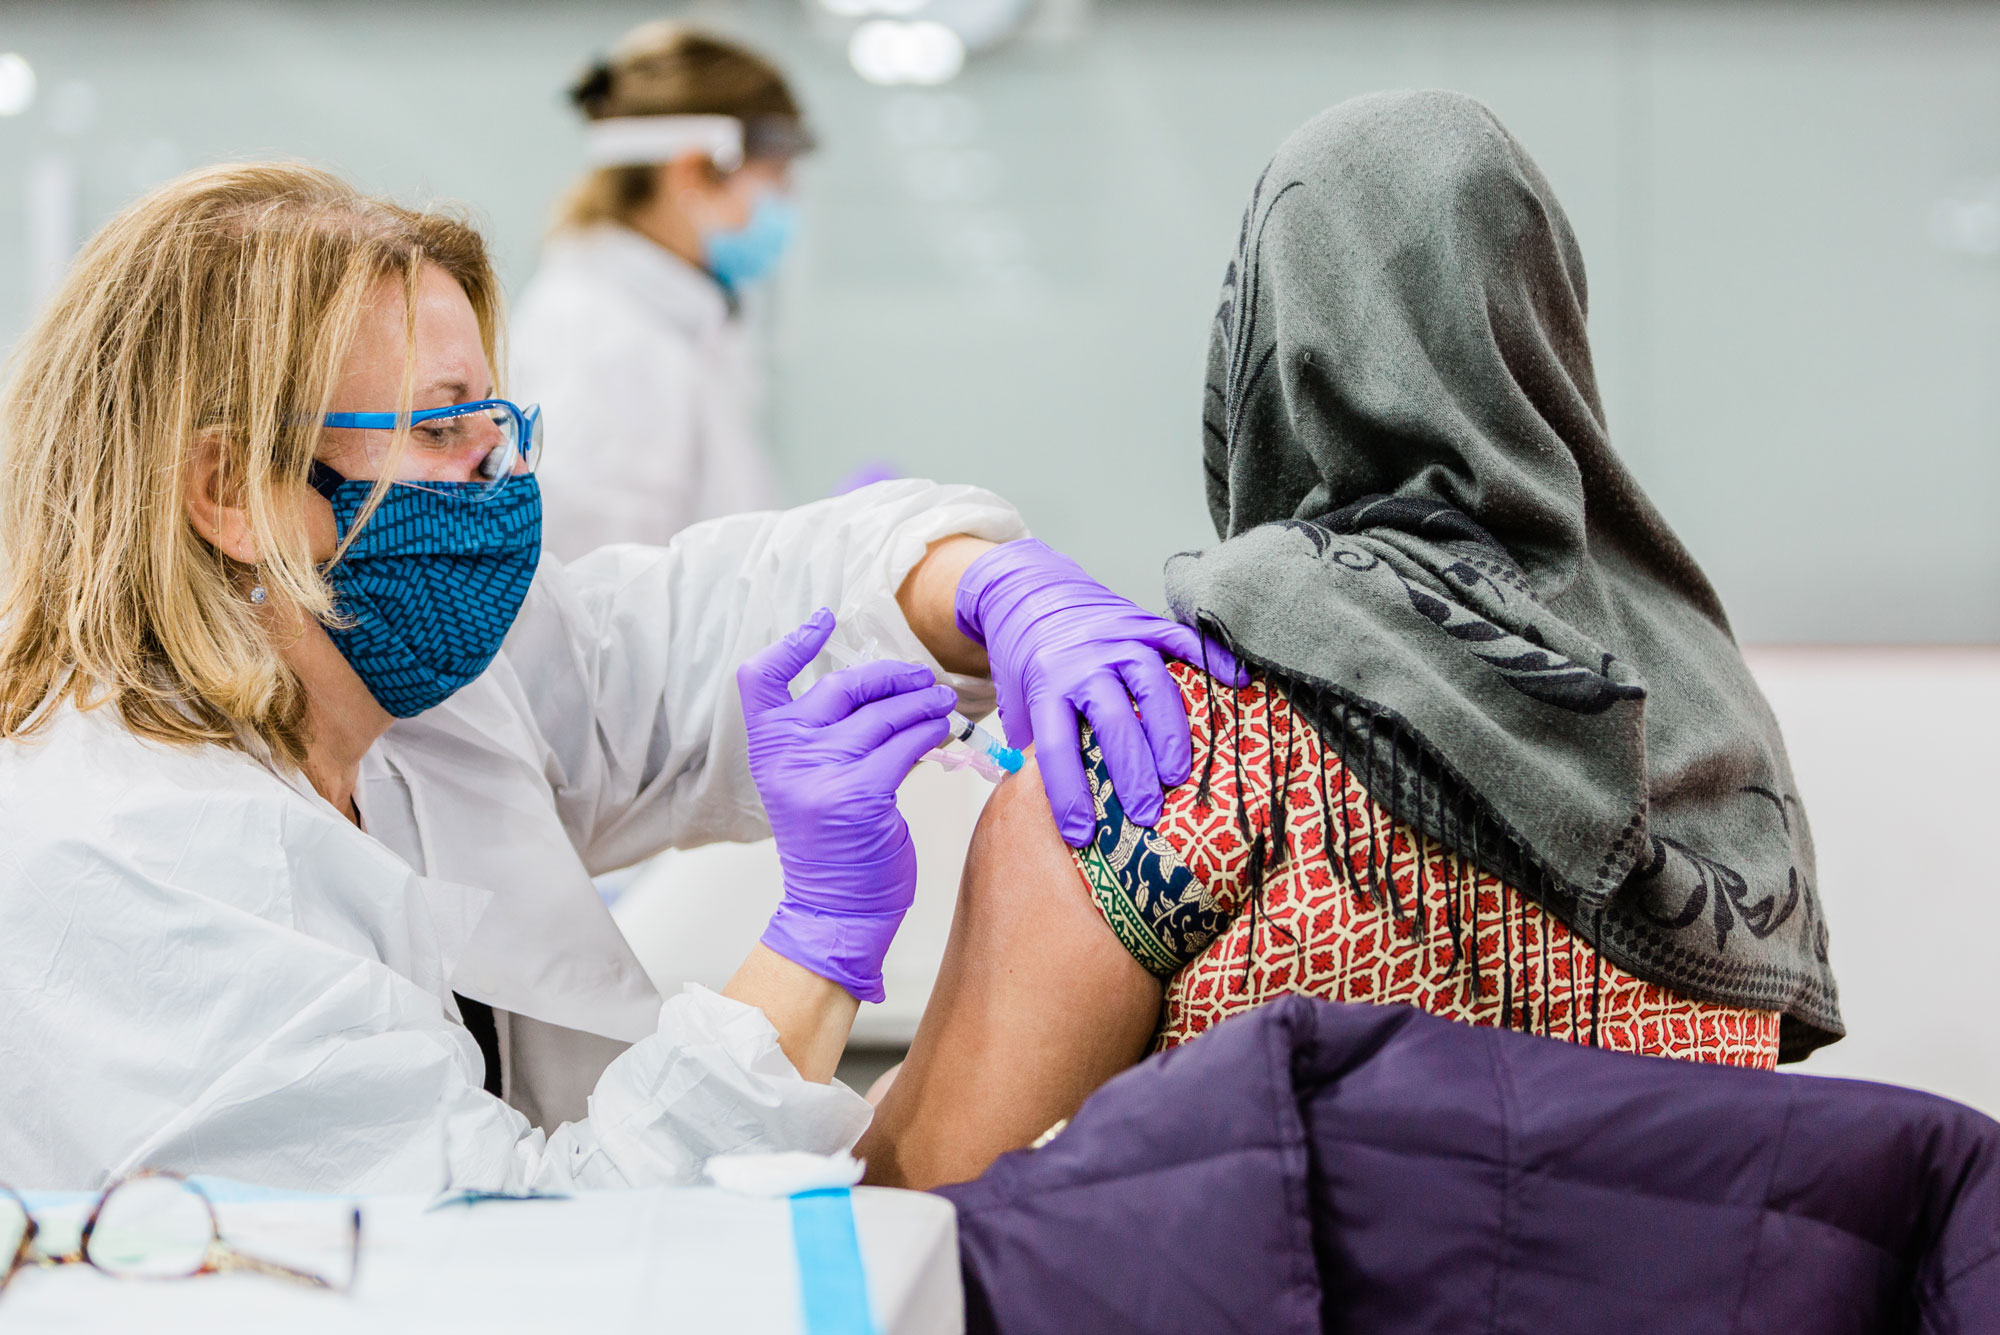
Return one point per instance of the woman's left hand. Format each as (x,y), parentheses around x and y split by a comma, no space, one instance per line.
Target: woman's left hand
(1061,644)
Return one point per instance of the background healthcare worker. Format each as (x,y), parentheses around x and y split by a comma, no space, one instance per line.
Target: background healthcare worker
(632,333)
(300,734)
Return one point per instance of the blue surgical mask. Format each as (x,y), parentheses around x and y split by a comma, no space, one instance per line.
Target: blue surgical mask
(741,255)
(431,584)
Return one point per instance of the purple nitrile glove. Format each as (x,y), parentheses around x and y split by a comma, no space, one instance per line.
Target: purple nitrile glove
(827,766)
(1061,644)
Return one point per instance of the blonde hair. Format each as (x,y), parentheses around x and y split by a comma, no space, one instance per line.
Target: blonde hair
(666,68)
(221,306)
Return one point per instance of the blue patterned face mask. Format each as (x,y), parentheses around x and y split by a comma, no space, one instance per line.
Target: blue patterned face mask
(431,584)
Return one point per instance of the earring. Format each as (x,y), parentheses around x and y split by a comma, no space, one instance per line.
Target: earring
(257,594)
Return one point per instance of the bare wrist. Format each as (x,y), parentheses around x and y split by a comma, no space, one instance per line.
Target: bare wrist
(928,600)
(812,1014)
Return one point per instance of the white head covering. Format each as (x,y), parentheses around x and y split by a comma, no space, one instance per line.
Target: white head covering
(627,141)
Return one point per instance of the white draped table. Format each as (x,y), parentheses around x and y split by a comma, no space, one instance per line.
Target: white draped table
(673,1259)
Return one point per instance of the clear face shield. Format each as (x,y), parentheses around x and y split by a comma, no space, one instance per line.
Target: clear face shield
(472,449)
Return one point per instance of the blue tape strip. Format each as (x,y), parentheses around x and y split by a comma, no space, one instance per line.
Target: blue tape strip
(831,1278)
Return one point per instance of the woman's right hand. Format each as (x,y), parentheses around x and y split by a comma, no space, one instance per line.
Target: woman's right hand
(827,766)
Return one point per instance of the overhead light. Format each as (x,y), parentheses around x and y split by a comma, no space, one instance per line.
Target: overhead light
(861,9)
(17,84)
(980,24)
(890,51)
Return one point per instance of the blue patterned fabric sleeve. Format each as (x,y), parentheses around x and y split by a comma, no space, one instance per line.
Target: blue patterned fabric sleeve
(1154,903)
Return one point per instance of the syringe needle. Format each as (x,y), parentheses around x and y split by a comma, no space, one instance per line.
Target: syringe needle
(1003,758)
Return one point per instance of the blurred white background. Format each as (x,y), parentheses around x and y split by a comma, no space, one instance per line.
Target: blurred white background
(1791,215)
(1790,212)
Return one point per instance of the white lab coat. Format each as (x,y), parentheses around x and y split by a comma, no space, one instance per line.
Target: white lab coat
(649,385)
(203,966)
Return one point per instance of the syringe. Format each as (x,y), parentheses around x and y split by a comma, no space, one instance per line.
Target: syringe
(985,754)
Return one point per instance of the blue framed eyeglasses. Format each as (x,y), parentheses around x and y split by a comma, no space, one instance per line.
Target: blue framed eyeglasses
(480,446)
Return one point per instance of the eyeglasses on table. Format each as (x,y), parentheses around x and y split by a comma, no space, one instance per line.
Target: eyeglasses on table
(151,1225)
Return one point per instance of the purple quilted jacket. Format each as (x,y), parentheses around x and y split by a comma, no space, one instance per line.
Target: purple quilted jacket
(1314,1166)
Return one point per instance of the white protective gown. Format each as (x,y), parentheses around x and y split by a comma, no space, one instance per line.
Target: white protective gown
(649,384)
(203,966)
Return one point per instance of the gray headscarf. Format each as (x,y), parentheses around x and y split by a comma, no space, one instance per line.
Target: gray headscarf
(1430,545)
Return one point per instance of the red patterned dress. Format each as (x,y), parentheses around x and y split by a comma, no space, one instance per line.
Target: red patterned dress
(1377,914)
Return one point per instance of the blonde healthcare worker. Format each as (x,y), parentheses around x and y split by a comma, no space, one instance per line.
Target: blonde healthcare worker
(632,333)
(302,738)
